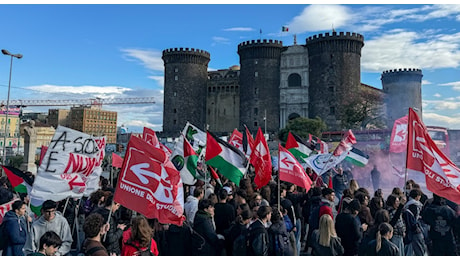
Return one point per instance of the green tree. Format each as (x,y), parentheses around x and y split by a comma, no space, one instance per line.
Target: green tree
(364,110)
(302,127)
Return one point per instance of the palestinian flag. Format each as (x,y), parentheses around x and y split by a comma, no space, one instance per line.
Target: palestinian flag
(297,147)
(357,157)
(20,181)
(226,158)
(188,173)
(285,29)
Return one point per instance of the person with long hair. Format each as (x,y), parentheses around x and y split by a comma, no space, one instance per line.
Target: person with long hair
(139,238)
(382,245)
(325,239)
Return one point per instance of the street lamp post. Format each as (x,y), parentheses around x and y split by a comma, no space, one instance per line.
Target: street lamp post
(18,56)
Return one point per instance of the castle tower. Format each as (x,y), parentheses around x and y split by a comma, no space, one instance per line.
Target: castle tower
(185,86)
(403,89)
(259,84)
(335,74)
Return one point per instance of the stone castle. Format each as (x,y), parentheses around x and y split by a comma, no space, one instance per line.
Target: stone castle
(275,83)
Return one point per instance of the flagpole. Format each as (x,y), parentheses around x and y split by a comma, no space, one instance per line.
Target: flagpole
(407,152)
(65,206)
(279,185)
(108,219)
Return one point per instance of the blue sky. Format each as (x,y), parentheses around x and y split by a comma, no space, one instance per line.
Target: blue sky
(114,51)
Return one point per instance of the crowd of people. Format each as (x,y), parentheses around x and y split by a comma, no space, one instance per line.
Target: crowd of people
(332,218)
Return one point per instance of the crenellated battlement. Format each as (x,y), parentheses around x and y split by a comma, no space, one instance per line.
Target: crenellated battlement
(264,42)
(186,50)
(417,71)
(335,35)
(186,55)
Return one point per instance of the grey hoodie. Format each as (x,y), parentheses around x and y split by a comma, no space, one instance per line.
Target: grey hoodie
(58,224)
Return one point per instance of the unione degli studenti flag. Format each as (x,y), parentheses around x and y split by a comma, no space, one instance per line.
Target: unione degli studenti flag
(290,169)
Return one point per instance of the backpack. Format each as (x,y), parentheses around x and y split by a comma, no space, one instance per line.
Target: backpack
(241,244)
(254,231)
(3,236)
(140,252)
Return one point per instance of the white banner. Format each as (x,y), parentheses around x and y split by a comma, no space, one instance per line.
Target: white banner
(66,169)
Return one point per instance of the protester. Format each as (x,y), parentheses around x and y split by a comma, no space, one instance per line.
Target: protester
(339,183)
(49,244)
(325,239)
(224,213)
(441,219)
(191,204)
(16,229)
(112,238)
(237,228)
(258,234)
(139,238)
(375,175)
(94,227)
(382,245)
(50,220)
(279,237)
(204,225)
(414,239)
(348,227)
(395,207)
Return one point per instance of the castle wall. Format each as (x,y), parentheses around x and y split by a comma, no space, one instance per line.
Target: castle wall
(223,101)
(186,80)
(335,73)
(259,84)
(403,89)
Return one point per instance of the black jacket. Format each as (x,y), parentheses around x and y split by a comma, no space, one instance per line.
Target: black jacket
(387,249)
(203,224)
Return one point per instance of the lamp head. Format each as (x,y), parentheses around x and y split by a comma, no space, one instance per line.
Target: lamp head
(5,52)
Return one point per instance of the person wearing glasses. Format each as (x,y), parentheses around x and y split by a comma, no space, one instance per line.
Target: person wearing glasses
(50,220)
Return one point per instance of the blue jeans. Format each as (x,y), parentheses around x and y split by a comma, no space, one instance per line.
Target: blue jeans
(298,226)
(417,247)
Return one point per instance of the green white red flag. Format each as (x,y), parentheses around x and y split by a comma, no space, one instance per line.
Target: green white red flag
(297,147)
(226,158)
(188,173)
(424,157)
(261,160)
(290,169)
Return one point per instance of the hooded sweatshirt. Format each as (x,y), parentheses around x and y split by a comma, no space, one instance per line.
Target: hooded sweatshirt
(16,229)
(58,224)
(190,208)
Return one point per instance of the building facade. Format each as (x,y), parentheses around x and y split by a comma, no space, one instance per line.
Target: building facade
(276,83)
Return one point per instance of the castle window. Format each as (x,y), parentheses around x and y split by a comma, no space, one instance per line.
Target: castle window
(224,111)
(175,121)
(174,110)
(256,124)
(176,77)
(331,111)
(256,74)
(256,61)
(175,94)
(331,89)
(256,91)
(294,80)
(256,111)
(176,70)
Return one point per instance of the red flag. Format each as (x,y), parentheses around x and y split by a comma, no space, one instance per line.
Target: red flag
(150,137)
(43,152)
(346,143)
(261,160)
(424,157)
(250,145)
(149,184)
(117,161)
(290,169)
(236,139)
(398,140)
(330,182)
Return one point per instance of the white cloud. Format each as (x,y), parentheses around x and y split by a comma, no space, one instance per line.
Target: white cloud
(455,85)
(220,40)
(320,17)
(405,49)
(441,120)
(437,95)
(239,29)
(95,90)
(150,59)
